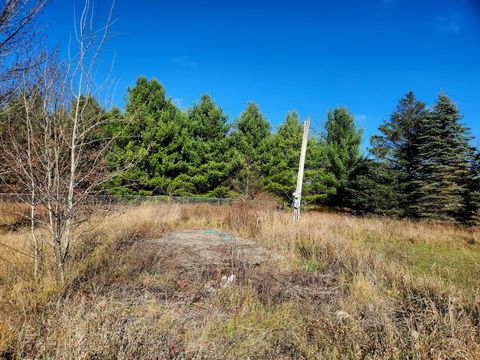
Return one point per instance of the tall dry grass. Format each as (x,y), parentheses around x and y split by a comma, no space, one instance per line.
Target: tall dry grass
(346,287)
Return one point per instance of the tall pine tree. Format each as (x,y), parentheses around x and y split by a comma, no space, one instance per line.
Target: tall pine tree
(475,191)
(152,140)
(343,149)
(318,183)
(252,133)
(280,163)
(472,199)
(209,156)
(280,160)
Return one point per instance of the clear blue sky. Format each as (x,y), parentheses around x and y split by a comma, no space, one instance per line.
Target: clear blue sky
(299,55)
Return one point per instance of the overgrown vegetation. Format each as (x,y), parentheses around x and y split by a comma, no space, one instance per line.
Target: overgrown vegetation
(335,287)
(88,279)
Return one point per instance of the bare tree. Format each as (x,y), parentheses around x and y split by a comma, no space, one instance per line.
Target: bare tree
(18,33)
(54,145)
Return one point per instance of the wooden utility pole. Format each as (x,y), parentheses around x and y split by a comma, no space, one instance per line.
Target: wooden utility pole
(297,195)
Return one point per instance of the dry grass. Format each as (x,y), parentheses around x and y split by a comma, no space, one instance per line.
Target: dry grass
(345,287)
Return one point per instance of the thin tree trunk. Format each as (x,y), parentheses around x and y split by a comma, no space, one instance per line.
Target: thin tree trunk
(30,142)
(36,245)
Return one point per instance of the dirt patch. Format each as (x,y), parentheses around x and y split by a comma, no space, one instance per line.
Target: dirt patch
(191,266)
(215,247)
(200,262)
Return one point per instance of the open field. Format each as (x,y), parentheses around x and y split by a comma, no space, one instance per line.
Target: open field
(200,281)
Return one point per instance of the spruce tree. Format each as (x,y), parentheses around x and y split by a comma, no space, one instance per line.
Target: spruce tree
(397,148)
(445,158)
(474,215)
(343,149)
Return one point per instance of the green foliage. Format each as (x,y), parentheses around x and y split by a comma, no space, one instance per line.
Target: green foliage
(281,158)
(372,189)
(473,195)
(210,159)
(250,141)
(343,142)
(280,162)
(423,165)
(318,182)
(445,157)
(397,148)
(430,159)
(151,142)
(186,153)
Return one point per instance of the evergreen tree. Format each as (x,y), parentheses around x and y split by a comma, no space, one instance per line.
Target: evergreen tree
(281,159)
(372,189)
(209,156)
(280,162)
(318,182)
(343,148)
(252,133)
(445,158)
(152,140)
(472,198)
(397,148)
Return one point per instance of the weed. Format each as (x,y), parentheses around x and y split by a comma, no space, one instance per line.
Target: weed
(335,286)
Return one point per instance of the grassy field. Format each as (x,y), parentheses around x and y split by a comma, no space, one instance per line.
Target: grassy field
(335,286)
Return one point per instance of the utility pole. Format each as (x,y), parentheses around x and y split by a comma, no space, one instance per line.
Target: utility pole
(297,195)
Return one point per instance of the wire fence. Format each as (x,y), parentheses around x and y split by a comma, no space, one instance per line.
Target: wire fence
(110,199)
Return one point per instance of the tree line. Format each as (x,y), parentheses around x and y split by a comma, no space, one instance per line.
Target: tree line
(198,152)
(422,165)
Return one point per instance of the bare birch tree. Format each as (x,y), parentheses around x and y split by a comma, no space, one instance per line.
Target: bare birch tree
(54,145)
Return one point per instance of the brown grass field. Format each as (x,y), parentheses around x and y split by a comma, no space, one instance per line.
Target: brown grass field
(141,286)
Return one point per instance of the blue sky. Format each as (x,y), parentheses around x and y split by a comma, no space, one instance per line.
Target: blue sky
(307,56)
